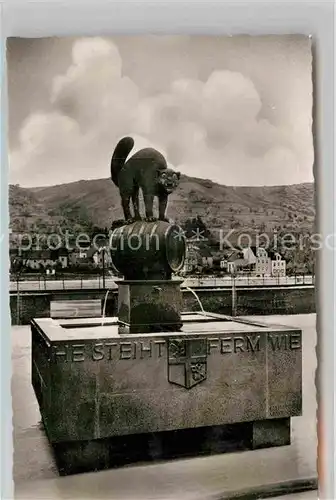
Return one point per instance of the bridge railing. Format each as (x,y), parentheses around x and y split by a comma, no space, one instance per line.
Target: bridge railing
(45,283)
(227,281)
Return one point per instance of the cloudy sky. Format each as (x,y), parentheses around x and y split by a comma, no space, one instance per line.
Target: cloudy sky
(237,110)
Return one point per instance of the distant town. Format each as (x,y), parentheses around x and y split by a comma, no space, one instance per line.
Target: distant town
(201,258)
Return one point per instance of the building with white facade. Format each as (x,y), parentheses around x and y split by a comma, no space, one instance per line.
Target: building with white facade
(191,258)
(278,266)
(102,257)
(263,265)
(269,263)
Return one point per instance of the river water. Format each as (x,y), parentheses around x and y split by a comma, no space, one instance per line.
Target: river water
(36,477)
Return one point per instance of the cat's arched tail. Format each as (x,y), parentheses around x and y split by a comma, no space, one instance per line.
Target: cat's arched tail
(120,153)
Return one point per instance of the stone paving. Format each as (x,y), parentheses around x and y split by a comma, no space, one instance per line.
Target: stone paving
(36,476)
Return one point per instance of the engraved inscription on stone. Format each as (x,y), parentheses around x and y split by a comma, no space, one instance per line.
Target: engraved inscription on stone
(125,350)
(228,345)
(78,352)
(177,349)
(285,341)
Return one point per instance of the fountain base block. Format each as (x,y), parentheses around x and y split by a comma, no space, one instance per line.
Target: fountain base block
(96,454)
(99,389)
(149,306)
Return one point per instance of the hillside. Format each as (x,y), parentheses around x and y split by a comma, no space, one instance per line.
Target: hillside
(28,213)
(81,204)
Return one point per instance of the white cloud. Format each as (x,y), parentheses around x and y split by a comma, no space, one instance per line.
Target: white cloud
(93,91)
(208,129)
(48,143)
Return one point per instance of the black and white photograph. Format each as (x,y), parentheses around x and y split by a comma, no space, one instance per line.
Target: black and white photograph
(162,260)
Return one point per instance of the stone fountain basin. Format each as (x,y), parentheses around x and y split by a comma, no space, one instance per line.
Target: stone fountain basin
(93,383)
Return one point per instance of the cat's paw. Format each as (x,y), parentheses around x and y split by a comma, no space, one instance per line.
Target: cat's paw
(164,219)
(151,219)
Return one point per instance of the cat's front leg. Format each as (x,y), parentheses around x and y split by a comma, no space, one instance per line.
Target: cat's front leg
(163,200)
(149,201)
(135,201)
(125,202)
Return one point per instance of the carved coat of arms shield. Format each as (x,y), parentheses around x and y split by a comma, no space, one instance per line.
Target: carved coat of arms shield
(187,361)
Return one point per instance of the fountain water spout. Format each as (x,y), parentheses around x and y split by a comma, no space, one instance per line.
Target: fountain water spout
(197,298)
(104,307)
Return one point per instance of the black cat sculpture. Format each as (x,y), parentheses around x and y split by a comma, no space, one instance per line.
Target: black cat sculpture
(146,170)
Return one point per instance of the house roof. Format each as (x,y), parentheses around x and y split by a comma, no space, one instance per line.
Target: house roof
(85,260)
(249,255)
(91,252)
(41,255)
(270,253)
(63,252)
(235,255)
(77,244)
(201,249)
(242,262)
(206,253)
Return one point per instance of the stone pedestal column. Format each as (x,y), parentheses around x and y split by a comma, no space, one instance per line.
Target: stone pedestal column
(149,306)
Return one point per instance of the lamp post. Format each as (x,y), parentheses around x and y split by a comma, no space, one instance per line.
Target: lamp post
(234,293)
(103,250)
(18,299)
(313,271)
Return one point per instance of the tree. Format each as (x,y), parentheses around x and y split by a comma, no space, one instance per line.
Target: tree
(262,227)
(58,267)
(196,227)
(96,230)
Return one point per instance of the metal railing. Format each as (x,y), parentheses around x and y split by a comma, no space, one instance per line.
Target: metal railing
(241,281)
(100,282)
(45,283)
(227,281)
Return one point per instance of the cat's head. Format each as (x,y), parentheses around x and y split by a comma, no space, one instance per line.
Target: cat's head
(169,180)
